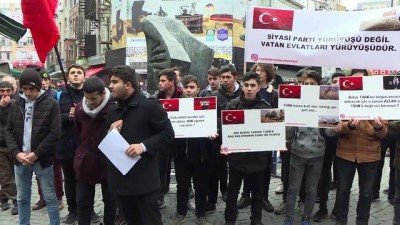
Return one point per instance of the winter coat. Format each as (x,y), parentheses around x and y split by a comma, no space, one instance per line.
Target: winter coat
(65,148)
(144,121)
(361,144)
(46,128)
(90,164)
(248,162)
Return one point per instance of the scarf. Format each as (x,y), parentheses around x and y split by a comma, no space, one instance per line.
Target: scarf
(93,112)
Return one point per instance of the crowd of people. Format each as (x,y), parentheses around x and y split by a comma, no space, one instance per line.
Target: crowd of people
(55,135)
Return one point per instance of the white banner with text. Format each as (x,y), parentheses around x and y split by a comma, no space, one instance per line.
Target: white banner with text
(349,39)
(309,105)
(192,117)
(253,130)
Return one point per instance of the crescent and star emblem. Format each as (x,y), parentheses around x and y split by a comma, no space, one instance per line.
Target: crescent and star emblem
(347,84)
(166,105)
(272,19)
(230,117)
(284,91)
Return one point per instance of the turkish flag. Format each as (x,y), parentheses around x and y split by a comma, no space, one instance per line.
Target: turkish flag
(391,82)
(274,19)
(289,91)
(170,105)
(232,117)
(350,83)
(206,103)
(39,17)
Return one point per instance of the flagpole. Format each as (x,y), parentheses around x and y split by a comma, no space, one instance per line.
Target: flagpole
(68,88)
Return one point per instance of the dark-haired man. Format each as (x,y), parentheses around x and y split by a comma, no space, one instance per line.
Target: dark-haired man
(168,88)
(250,164)
(214,81)
(90,164)
(144,124)
(229,90)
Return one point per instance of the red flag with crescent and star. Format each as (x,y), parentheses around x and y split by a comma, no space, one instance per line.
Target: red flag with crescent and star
(350,83)
(39,17)
(170,105)
(232,117)
(289,91)
(206,103)
(274,19)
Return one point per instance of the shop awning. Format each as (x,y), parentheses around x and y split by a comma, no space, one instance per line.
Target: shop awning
(92,71)
(11,28)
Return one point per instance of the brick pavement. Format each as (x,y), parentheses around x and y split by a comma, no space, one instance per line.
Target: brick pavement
(381,211)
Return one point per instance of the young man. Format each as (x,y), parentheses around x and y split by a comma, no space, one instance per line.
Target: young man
(65,149)
(325,179)
(229,90)
(178,73)
(214,81)
(144,124)
(191,161)
(266,73)
(13,82)
(307,157)
(33,128)
(7,182)
(359,148)
(251,164)
(167,89)
(57,170)
(89,163)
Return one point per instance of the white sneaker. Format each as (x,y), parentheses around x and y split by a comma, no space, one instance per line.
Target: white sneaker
(279,189)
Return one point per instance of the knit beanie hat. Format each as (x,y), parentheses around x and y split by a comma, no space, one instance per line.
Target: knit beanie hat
(30,77)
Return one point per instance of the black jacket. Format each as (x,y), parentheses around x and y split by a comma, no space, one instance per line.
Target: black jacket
(65,148)
(144,121)
(3,123)
(248,162)
(46,128)
(223,98)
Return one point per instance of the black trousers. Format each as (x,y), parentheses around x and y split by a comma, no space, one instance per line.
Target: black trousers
(256,182)
(385,144)
(326,174)
(285,168)
(218,173)
(187,168)
(164,165)
(69,184)
(267,179)
(85,201)
(140,209)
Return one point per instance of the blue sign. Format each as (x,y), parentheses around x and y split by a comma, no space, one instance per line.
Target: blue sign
(222,34)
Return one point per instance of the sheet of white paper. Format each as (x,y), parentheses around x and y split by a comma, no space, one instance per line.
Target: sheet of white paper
(114,146)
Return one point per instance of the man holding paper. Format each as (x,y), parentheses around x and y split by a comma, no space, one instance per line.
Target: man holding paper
(144,124)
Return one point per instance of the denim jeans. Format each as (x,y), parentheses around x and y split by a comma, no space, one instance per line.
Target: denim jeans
(396,202)
(23,178)
(311,168)
(366,172)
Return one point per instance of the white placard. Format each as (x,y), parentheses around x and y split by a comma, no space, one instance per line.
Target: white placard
(253,130)
(323,38)
(310,105)
(367,97)
(192,117)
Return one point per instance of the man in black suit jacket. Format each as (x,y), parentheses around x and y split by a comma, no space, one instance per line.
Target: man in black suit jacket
(145,126)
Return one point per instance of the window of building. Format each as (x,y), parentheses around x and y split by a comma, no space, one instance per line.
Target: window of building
(70,53)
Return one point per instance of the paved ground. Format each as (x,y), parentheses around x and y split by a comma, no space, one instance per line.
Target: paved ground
(381,211)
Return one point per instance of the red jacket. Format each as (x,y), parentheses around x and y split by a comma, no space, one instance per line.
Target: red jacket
(90,164)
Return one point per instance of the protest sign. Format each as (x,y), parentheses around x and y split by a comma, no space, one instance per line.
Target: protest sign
(323,38)
(367,97)
(309,105)
(253,130)
(192,117)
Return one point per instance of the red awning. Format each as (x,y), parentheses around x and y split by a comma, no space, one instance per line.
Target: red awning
(92,71)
